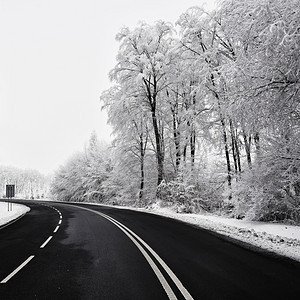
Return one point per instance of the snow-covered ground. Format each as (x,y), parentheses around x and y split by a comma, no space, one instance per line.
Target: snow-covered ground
(278,238)
(8,216)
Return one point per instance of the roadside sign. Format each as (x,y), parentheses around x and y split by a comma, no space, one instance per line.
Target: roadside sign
(10,190)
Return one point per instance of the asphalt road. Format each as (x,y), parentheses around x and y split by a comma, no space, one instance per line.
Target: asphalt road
(62,251)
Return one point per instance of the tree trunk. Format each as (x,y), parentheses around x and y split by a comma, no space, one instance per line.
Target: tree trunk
(226,152)
(159,150)
(142,179)
(176,135)
(238,154)
(224,136)
(184,153)
(193,135)
(193,148)
(247,142)
(151,95)
(233,146)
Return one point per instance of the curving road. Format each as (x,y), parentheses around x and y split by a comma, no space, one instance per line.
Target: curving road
(63,251)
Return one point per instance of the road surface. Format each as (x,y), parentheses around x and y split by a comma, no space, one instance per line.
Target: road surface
(62,251)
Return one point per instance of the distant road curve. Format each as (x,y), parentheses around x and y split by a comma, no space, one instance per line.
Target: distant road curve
(77,251)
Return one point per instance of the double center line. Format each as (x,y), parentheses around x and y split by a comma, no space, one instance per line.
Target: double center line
(143,246)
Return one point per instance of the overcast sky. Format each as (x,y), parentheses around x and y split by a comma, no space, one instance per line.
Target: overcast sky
(55,56)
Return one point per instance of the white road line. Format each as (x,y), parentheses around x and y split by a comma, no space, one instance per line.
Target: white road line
(152,264)
(175,279)
(17,269)
(32,256)
(47,241)
(135,238)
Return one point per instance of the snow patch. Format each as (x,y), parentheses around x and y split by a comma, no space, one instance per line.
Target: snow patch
(274,237)
(8,216)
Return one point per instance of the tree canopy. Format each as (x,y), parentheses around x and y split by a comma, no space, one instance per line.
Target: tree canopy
(205,114)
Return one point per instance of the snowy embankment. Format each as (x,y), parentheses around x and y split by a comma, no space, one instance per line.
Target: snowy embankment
(274,237)
(8,216)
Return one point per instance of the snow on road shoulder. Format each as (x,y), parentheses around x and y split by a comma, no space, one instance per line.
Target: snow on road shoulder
(274,237)
(278,238)
(8,216)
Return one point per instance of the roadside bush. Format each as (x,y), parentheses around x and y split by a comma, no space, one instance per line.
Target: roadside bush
(189,195)
(264,194)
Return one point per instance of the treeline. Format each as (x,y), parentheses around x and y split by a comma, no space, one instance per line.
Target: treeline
(206,112)
(29,184)
(83,176)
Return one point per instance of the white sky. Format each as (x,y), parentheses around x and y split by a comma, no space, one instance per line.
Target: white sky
(55,56)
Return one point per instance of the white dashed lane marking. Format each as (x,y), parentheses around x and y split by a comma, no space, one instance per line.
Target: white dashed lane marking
(56,228)
(47,241)
(32,256)
(60,219)
(17,269)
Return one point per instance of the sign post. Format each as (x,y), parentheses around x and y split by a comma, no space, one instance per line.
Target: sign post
(10,193)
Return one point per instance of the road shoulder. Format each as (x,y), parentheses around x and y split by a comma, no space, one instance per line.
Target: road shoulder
(11,213)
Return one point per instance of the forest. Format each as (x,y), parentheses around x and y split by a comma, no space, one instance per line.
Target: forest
(29,184)
(205,116)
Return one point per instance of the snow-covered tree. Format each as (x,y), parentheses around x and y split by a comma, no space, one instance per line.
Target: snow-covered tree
(227,86)
(131,129)
(81,177)
(28,183)
(140,71)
